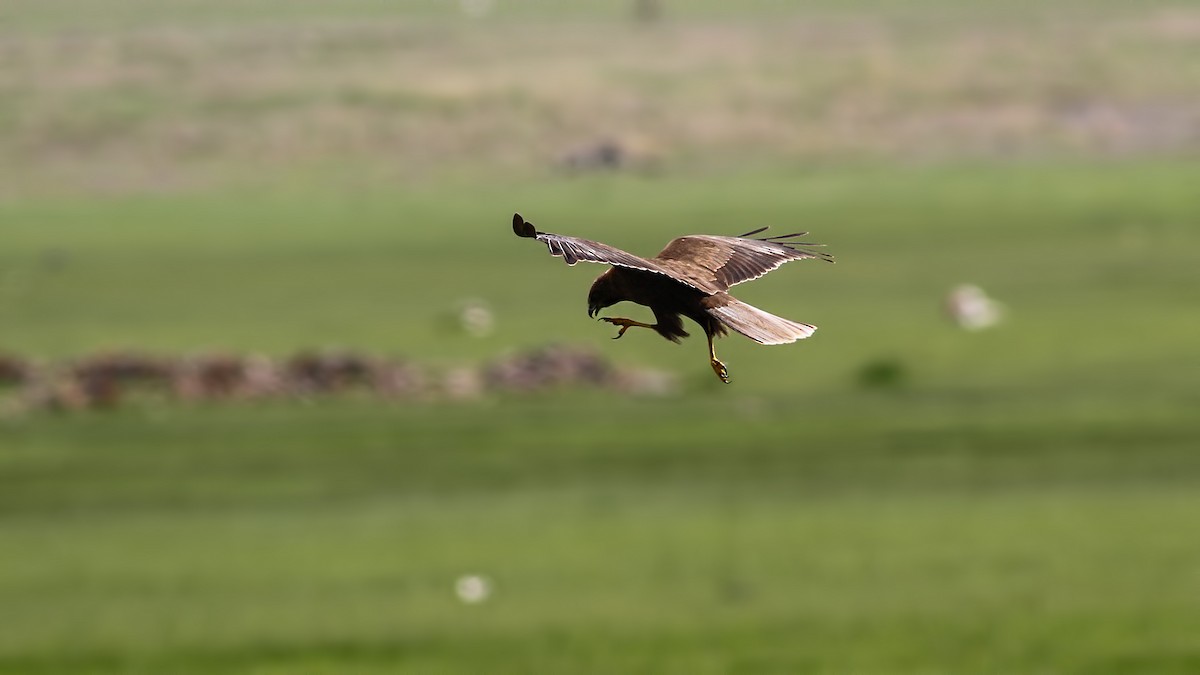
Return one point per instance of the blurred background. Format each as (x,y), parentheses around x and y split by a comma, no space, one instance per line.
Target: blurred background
(280,391)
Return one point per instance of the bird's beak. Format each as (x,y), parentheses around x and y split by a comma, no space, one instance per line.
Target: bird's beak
(592,311)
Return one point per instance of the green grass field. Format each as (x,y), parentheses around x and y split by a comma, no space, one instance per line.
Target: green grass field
(1021,499)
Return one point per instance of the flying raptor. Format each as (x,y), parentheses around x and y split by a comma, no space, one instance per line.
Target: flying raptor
(689,278)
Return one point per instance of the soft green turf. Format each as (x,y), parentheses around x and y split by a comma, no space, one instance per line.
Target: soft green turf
(1023,501)
(618,581)
(268,541)
(935,534)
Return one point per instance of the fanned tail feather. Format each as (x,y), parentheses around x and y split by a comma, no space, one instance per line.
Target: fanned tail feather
(762,327)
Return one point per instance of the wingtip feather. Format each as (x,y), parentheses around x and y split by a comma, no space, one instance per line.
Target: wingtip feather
(754,232)
(522,227)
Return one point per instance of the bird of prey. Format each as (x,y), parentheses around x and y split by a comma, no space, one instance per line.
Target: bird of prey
(689,278)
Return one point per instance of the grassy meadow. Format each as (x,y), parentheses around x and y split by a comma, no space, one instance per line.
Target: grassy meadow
(273,176)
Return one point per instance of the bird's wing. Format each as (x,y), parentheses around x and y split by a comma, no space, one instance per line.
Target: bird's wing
(574,249)
(726,261)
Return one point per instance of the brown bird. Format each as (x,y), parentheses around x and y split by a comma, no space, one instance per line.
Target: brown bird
(689,278)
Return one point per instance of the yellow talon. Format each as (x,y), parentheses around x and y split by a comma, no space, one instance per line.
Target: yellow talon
(719,369)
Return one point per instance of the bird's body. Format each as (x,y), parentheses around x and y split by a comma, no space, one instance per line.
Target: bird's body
(689,278)
(667,298)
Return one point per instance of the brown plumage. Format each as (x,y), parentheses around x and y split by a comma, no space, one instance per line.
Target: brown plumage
(689,278)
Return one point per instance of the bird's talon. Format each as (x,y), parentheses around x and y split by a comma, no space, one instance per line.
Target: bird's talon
(625,324)
(719,369)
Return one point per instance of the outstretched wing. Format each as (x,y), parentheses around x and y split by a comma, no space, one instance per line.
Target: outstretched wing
(574,249)
(727,261)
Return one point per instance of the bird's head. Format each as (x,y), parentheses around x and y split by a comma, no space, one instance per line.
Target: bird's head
(603,294)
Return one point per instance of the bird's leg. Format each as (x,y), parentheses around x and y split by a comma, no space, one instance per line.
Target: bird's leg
(625,324)
(717,366)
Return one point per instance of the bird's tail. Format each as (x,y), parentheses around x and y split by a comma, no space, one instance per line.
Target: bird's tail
(762,327)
